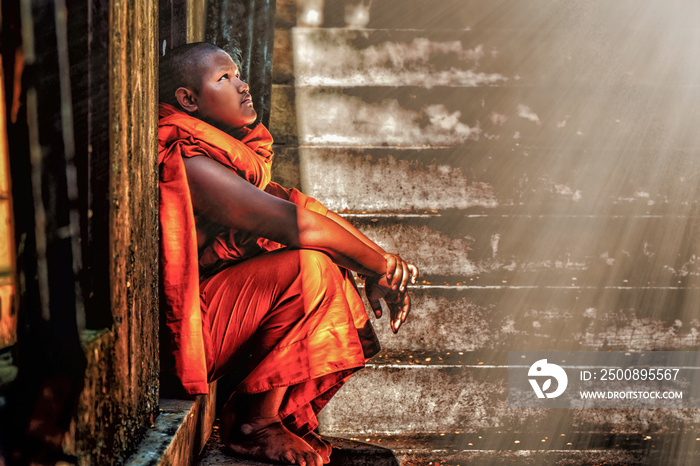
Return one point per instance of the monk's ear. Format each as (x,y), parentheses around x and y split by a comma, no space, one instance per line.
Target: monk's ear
(187,99)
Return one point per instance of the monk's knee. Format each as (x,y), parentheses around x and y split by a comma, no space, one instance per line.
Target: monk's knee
(318,264)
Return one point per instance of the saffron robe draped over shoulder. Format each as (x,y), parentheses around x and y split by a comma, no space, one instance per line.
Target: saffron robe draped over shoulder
(331,337)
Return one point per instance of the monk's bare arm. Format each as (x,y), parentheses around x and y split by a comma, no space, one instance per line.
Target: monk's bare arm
(283,193)
(354,231)
(230,200)
(398,270)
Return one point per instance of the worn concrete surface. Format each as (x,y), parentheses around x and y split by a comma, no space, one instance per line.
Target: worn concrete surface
(356,57)
(512,118)
(345,452)
(471,318)
(404,397)
(505,14)
(533,449)
(563,181)
(538,162)
(524,457)
(424,182)
(513,250)
(523,449)
(479,57)
(180,432)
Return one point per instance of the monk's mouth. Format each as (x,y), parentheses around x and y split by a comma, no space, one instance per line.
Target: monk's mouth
(247,100)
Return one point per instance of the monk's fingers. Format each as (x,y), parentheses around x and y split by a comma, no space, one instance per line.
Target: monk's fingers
(402,306)
(289,458)
(399,306)
(395,325)
(390,268)
(395,315)
(406,276)
(405,307)
(376,307)
(401,275)
(414,273)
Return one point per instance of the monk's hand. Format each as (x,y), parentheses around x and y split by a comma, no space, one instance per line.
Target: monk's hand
(399,272)
(375,292)
(396,275)
(398,303)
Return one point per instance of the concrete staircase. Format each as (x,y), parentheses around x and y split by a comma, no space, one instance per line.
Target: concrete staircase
(538,161)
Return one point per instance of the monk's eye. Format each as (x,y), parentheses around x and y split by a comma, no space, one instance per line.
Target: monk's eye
(223,77)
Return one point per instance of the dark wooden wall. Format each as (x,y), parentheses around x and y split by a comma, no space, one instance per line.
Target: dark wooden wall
(83,162)
(82,138)
(122,360)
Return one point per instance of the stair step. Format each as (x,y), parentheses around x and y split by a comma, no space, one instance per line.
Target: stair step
(572,449)
(578,251)
(531,441)
(420,179)
(515,119)
(479,57)
(526,457)
(345,453)
(399,398)
(351,57)
(179,433)
(475,14)
(493,448)
(452,320)
(547,180)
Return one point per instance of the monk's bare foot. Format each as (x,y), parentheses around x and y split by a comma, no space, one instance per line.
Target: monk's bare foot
(266,439)
(317,442)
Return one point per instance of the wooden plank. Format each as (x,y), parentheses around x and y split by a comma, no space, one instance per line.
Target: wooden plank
(7,255)
(8,314)
(121,382)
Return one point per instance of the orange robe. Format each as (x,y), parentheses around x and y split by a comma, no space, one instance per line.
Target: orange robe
(279,317)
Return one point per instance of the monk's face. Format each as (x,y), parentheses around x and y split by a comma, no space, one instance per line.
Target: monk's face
(224,100)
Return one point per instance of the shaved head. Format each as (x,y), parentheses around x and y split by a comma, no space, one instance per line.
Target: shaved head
(184,66)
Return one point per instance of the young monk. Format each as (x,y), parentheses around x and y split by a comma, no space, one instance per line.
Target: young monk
(255,277)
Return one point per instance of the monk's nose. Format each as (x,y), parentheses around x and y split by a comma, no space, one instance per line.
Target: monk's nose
(243,86)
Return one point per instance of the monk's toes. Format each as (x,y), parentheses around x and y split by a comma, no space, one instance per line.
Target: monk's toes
(300,460)
(303,458)
(289,458)
(313,459)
